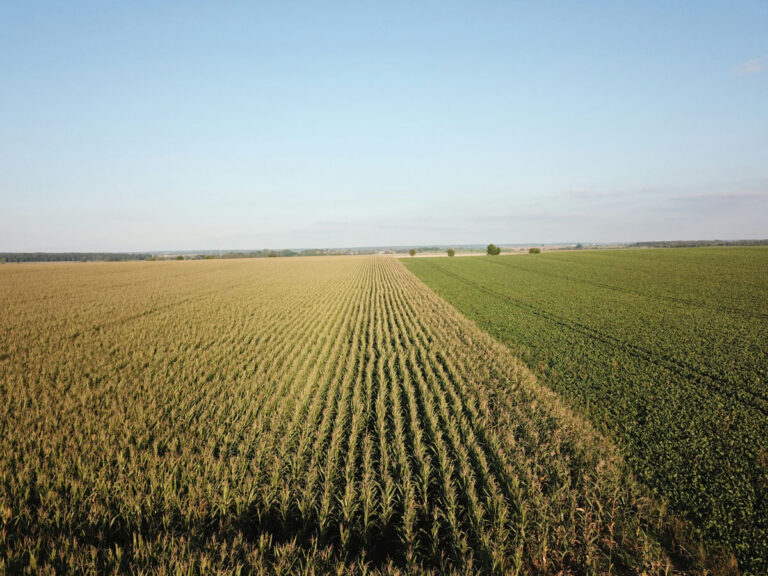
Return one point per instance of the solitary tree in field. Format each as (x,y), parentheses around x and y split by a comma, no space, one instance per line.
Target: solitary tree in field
(451,252)
(412,252)
(493,250)
(534,250)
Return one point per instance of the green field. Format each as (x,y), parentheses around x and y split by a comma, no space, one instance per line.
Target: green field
(665,350)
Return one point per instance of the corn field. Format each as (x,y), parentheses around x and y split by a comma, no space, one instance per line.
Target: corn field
(303,416)
(665,350)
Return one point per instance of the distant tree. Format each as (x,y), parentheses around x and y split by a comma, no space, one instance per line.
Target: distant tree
(179,257)
(534,250)
(451,252)
(579,246)
(493,250)
(412,252)
(271,255)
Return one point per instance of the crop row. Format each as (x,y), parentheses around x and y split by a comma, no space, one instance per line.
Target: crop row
(664,350)
(288,416)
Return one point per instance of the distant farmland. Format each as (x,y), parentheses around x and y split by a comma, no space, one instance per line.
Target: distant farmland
(301,416)
(665,350)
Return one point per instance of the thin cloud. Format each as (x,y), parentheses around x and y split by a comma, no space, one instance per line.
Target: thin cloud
(750,67)
(528,216)
(713,204)
(726,195)
(587,193)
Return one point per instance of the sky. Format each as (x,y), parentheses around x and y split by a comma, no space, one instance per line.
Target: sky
(131,126)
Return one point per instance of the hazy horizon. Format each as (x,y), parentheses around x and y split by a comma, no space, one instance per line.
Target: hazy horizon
(130,128)
(441,246)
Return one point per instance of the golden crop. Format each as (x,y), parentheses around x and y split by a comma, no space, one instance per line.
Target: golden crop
(289,416)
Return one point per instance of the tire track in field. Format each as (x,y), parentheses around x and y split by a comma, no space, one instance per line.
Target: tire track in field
(714,382)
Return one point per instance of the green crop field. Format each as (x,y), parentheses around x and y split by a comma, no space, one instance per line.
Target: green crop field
(302,416)
(665,350)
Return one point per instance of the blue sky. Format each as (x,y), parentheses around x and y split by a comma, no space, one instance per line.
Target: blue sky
(143,126)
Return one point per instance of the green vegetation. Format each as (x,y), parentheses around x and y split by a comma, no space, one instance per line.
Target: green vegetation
(451,252)
(699,243)
(189,255)
(665,350)
(412,252)
(71,256)
(534,250)
(291,416)
(493,250)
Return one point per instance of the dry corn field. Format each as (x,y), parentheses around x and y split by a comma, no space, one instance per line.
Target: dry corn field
(326,415)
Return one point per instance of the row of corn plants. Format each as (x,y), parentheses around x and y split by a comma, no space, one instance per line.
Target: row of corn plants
(664,350)
(292,416)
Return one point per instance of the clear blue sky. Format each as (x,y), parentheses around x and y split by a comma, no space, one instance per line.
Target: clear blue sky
(141,126)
